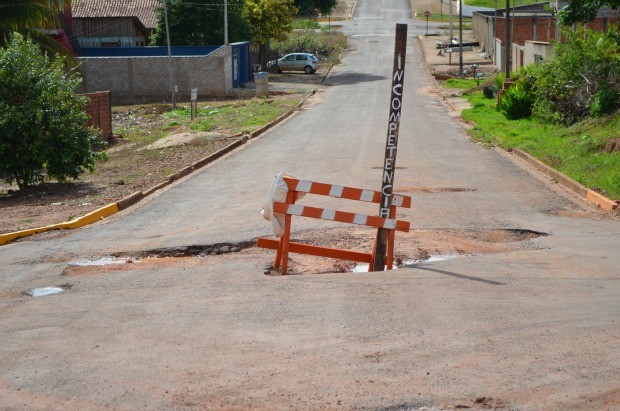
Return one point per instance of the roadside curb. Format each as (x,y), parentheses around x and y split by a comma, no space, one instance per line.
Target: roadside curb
(138,196)
(89,218)
(567,182)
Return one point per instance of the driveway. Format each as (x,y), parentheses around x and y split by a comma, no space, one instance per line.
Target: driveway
(519,309)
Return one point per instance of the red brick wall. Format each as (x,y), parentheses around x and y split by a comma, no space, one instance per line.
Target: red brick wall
(99,111)
(524,29)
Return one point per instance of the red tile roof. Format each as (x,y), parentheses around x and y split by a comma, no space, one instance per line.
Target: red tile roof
(144,10)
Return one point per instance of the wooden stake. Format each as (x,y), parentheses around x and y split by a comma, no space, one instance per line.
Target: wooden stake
(391,145)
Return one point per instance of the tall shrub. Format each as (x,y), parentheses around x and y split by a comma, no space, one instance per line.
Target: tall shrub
(584,71)
(41,119)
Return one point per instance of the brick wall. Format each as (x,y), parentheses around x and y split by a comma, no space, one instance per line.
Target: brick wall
(147,79)
(535,28)
(99,111)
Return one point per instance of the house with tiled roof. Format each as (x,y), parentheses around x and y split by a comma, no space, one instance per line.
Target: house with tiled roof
(114,23)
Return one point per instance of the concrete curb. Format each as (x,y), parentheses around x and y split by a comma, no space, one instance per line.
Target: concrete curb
(89,218)
(567,182)
(134,198)
(572,185)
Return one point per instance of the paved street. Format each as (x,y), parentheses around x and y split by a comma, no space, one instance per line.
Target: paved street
(536,327)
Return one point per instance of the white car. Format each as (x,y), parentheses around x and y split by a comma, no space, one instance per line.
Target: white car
(305,62)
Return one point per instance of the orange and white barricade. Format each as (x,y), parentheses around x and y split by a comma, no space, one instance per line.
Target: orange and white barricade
(290,209)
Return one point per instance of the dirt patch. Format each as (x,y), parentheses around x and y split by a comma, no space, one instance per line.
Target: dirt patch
(127,170)
(613,145)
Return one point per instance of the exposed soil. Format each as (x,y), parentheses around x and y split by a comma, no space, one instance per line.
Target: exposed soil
(127,170)
(411,248)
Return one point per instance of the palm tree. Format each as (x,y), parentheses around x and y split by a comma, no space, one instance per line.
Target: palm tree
(29,17)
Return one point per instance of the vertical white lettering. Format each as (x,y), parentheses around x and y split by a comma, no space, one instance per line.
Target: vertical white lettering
(396,104)
(398,76)
(396,88)
(388,176)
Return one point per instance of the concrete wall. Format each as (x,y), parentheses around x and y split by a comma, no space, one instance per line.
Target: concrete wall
(147,79)
(533,49)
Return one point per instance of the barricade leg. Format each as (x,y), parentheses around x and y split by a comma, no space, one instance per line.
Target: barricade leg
(390,245)
(285,241)
(283,247)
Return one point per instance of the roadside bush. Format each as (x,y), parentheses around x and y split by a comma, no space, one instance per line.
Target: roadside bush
(489,90)
(326,45)
(516,102)
(604,102)
(582,79)
(42,133)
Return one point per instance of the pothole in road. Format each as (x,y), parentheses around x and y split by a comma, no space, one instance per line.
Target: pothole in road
(411,249)
(415,247)
(122,260)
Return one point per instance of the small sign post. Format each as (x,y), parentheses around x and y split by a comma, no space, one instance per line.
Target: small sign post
(391,144)
(193,108)
(427,14)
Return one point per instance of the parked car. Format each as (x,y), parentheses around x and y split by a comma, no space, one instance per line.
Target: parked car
(295,61)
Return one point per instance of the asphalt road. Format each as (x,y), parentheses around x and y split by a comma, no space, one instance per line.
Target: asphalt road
(535,328)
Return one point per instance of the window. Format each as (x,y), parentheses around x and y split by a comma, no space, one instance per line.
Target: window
(301,57)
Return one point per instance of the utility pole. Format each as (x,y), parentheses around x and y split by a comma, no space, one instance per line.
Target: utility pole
(451,2)
(508,47)
(461,38)
(174,98)
(225,22)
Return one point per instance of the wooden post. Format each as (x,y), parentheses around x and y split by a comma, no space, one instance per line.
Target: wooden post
(391,144)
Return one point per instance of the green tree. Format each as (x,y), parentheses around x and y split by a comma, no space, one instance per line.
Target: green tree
(305,7)
(29,17)
(200,24)
(582,11)
(582,79)
(41,119)
(269,19)
(325,6)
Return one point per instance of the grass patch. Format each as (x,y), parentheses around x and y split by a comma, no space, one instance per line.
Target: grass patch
(240,117)
(495,4)
(463,83)
(305,24)
(580,151)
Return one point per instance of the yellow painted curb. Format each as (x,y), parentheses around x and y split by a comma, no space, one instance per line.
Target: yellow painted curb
(86,219)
